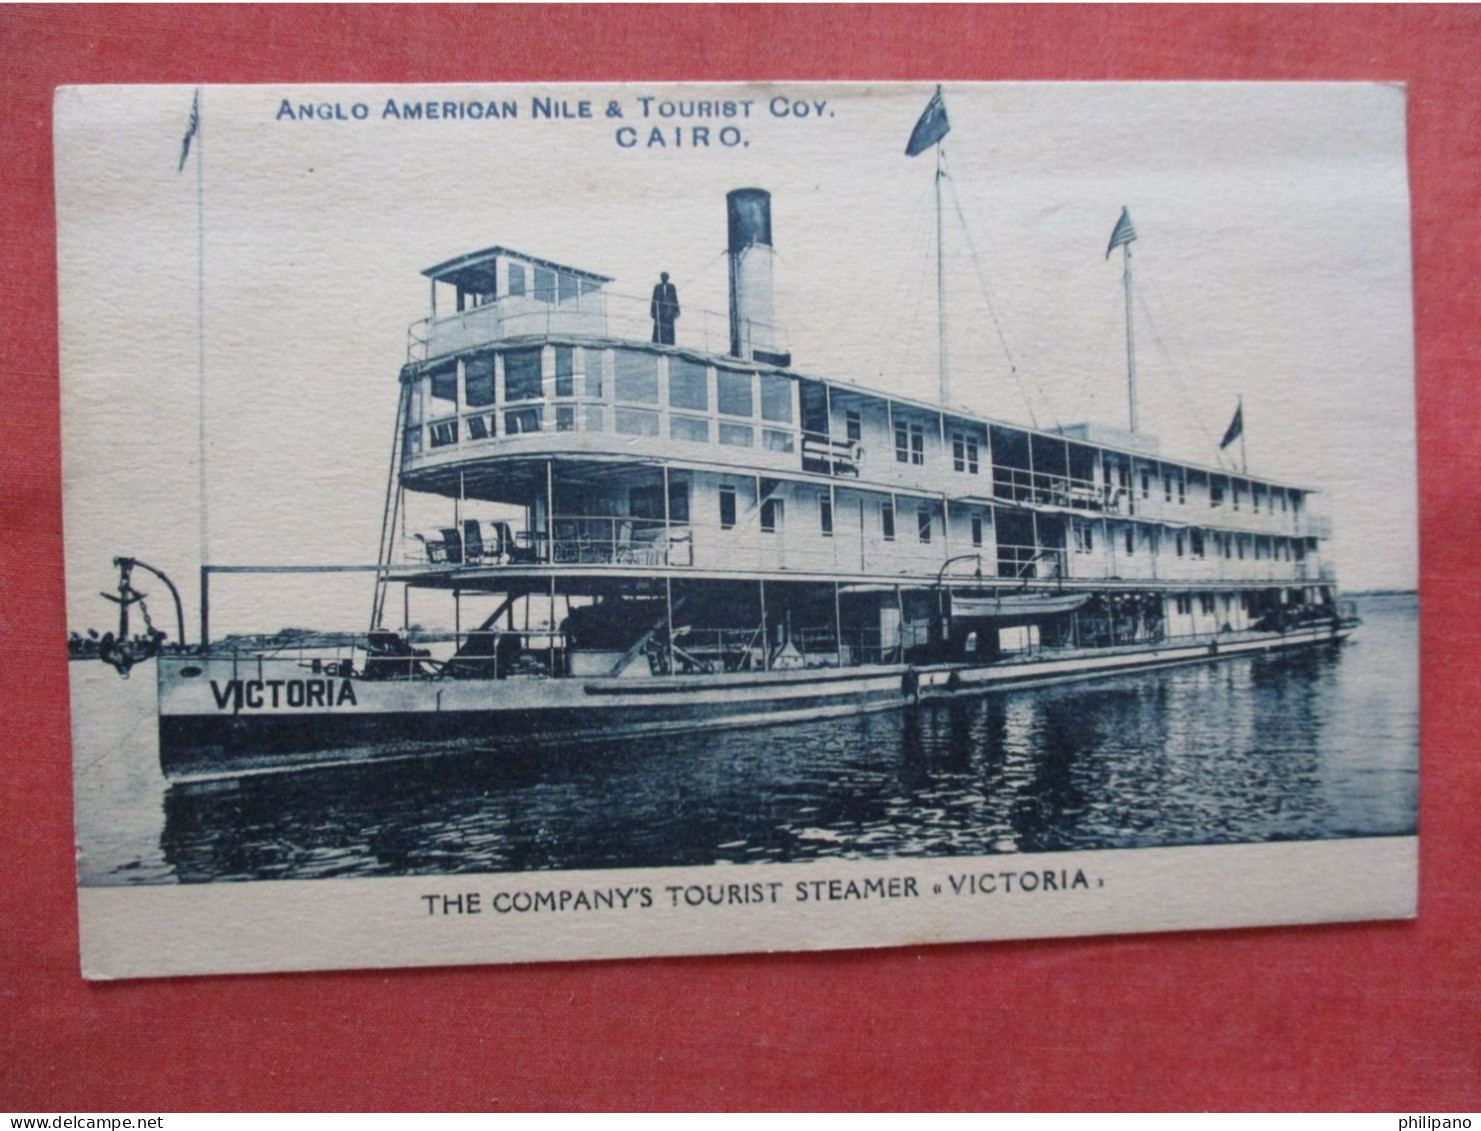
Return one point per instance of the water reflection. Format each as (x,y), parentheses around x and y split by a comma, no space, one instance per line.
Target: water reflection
(1319,744)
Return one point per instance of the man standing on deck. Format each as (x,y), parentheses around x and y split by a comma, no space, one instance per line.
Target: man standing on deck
(664,309)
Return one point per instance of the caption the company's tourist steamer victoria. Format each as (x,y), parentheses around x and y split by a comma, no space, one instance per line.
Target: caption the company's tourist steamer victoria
(682,527)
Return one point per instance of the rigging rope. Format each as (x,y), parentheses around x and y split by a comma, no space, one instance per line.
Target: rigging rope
(1177,375)
(992,312)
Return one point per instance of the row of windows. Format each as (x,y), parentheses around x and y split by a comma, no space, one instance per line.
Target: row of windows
(635,381)
(772,511)
(1193,542)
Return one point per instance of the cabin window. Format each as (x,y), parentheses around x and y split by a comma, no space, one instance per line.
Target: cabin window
(1184,604)
(522,375)
(825,516)
(478,381)
(887,521)
(964,453)
(1234,492)
(637,422)
(565,418)
(1167,488)
(774,441)
(977,531)
(689,428)
(1130,540)
(727,507)
(568,288)
(1182,491)
(854,425)
(771,516)
(688,385)
(478,426)
(1239,547)
(733,392)
(1178,543)
(544,285)
(776,398)
(565,371)
(923,523)
(1283,502)
(521,420)
(1206,604)
(445,385)
(637,377)
(1146,483)
(443,433)
(592,360)
(737,435)
(1300,551)
(910,443)
(1215,494)
(516,279)
(1195,542)
(1084,538)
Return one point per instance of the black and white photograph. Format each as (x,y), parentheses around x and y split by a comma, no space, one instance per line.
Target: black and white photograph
(510,523)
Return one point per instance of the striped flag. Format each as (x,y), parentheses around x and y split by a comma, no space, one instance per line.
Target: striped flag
(191,128)
(1235,429)
(931,128)
(1123,233)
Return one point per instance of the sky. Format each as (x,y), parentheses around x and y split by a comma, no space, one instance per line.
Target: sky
(1272,263)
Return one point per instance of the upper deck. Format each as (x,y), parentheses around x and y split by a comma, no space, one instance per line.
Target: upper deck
(504,383)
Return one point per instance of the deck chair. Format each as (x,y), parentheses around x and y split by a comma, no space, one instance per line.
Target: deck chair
(452,545)
(473,550)
(508,546)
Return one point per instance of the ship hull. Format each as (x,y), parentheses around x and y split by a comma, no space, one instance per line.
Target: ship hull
(224,717)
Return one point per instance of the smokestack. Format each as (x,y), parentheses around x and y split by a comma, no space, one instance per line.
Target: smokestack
(753,329)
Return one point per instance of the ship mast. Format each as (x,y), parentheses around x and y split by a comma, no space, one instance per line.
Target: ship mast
(1130,335)
(1123,236)
(930,128)
(941,348)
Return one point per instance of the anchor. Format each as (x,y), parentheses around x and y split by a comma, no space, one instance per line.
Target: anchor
(124,651)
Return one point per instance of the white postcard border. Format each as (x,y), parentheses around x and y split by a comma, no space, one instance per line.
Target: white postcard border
(140,932)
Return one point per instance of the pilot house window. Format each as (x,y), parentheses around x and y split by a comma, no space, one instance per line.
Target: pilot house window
(565,371)
(478,381)
(522,375)
(637,377)
(688,385)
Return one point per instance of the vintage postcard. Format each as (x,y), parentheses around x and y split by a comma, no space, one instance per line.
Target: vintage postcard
(519,523)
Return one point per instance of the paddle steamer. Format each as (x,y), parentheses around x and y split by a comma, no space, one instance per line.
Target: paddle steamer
(658,523)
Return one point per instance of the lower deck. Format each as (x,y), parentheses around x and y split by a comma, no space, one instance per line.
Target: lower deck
(228,715)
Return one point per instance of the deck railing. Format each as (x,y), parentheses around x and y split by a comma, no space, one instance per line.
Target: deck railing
(597,314)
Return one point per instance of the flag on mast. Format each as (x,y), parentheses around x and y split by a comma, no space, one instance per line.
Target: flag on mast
(931,127)
(1122,233)
(1235,429)
(191,128)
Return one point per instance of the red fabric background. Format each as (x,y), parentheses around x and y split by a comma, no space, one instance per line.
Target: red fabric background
(1378,1016)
